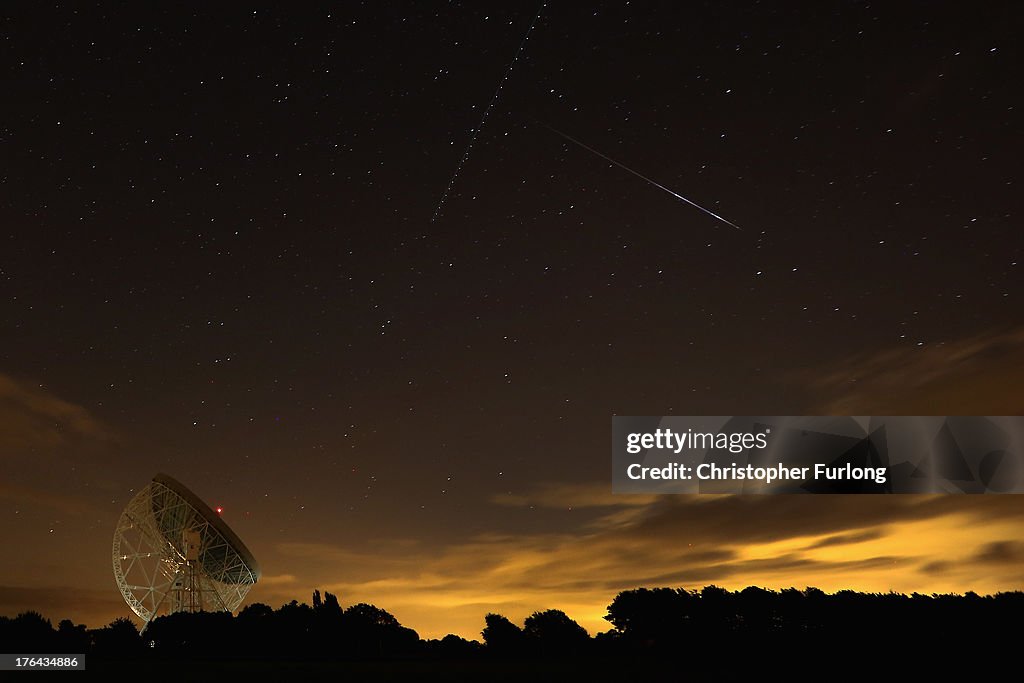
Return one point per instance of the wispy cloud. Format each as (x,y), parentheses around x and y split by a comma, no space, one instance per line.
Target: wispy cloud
(32,417)
(979,375)
(1009,552)
(278,580)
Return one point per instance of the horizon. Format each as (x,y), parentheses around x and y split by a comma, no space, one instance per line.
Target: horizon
(610,627)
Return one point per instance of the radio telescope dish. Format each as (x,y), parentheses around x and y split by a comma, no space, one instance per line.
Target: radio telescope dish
(172,553)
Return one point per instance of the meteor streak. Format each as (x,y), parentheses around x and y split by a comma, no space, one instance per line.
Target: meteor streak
(474,132)
(641,176)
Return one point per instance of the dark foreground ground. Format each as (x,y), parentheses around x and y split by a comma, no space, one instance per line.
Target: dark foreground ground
(477,670)
(842,666)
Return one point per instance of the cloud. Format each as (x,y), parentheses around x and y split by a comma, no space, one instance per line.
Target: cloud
(936,567)
(278,580)
(40,434)
(844,539)
(764,519)
(613,509)
(978,375)
(1002,552)
(32,418)
(874,543)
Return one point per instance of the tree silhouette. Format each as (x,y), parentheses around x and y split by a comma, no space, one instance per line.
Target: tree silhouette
(653,617)
(256,628)
(28,632)
(452,647)
(71,637)
(120,637)
(502,636)
(367,616)
(552,632)
(256,610)
(192,633)
(331,604)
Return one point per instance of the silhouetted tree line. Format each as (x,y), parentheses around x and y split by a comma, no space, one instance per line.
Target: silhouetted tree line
(713,625)
(810,623)
(32,633)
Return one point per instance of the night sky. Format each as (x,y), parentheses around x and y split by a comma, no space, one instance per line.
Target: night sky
(218,260)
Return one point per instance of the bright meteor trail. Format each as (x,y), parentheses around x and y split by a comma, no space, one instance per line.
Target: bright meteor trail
(642,177)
